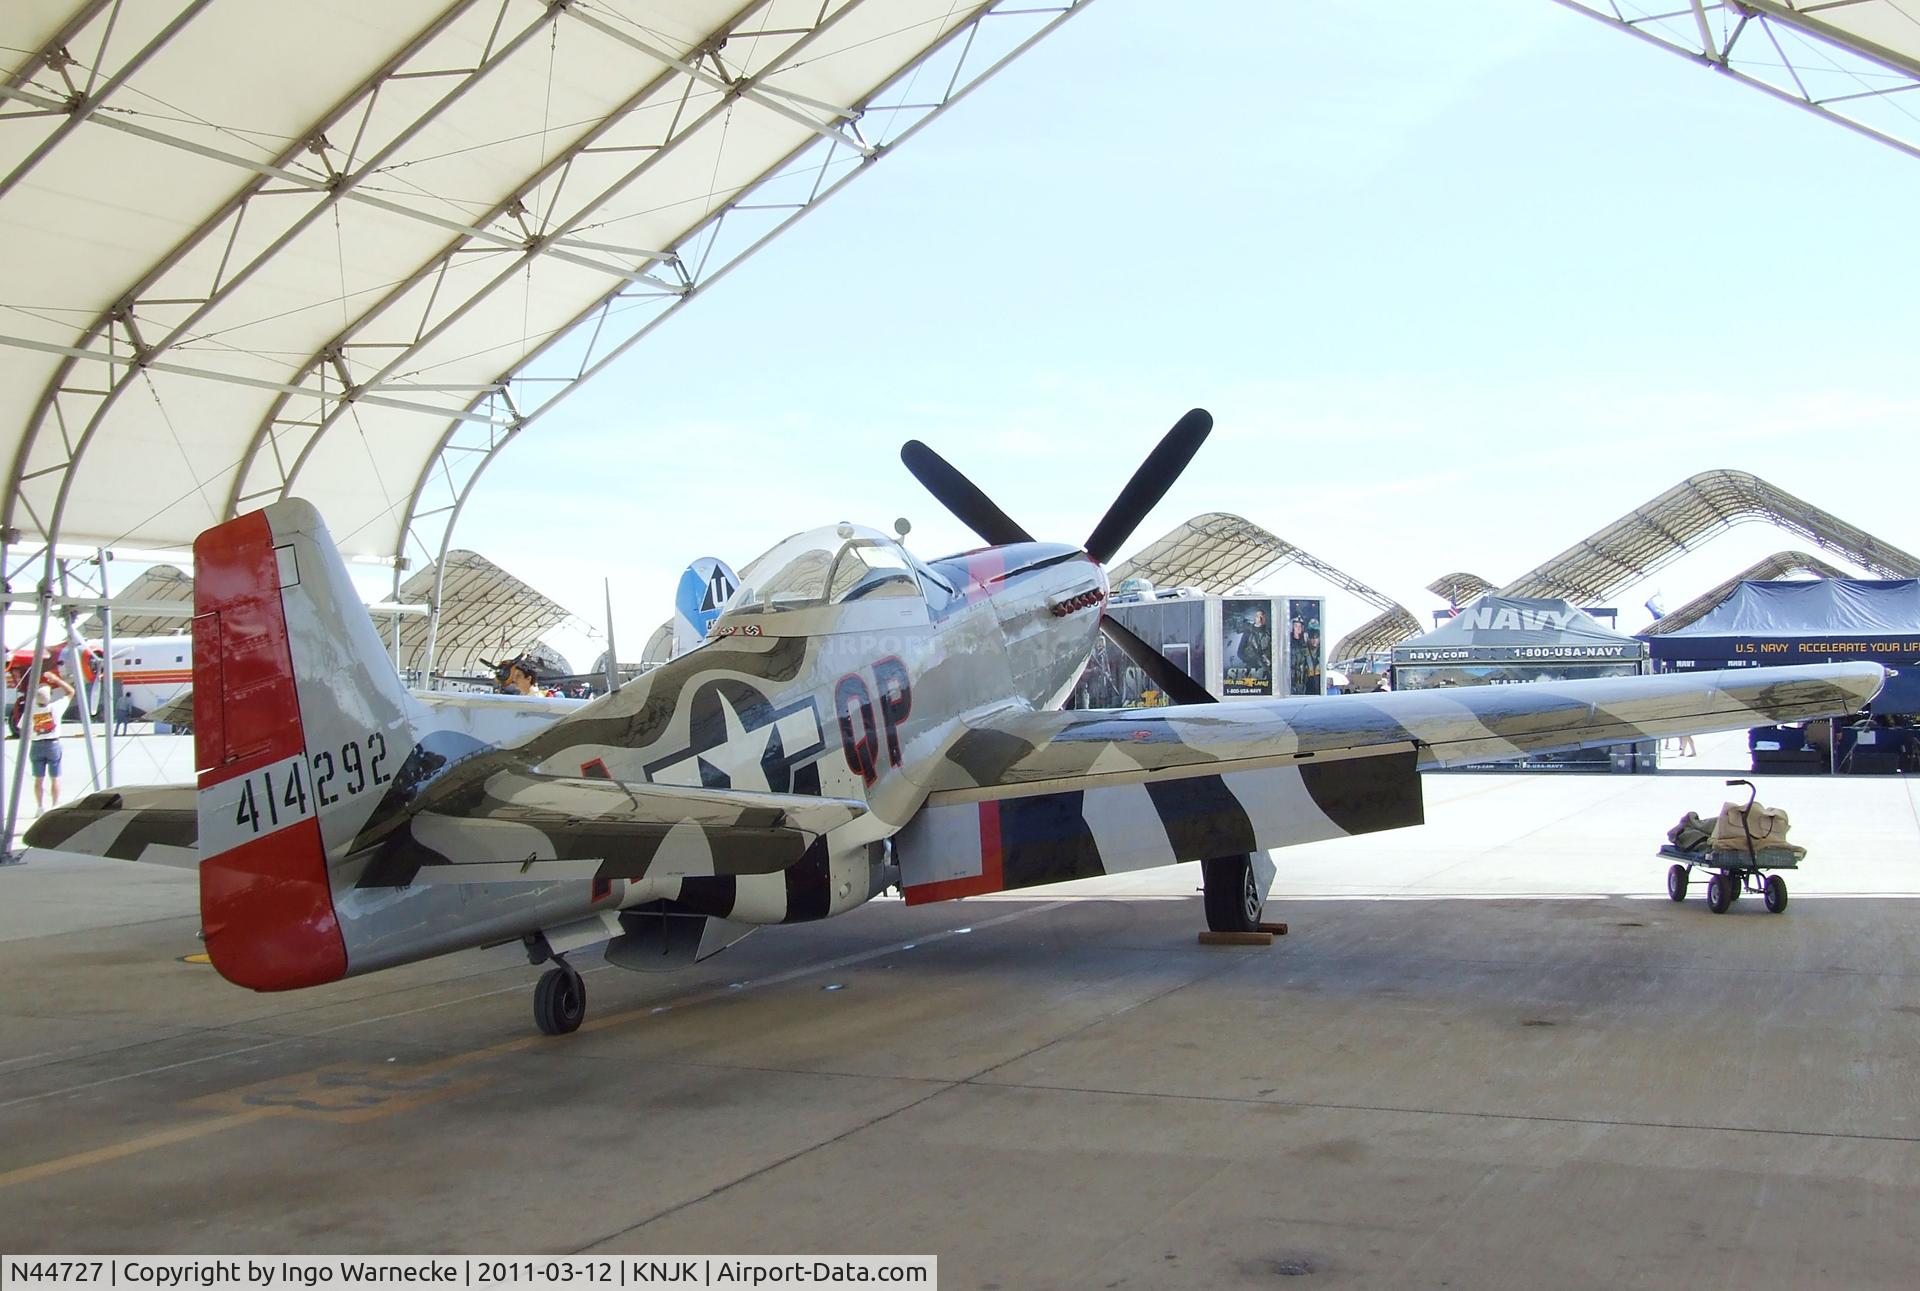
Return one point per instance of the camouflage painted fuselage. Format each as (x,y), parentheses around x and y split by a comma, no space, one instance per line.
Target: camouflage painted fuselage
(855,719)
(863,713)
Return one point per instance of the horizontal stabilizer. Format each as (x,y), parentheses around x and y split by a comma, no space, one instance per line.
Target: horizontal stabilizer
(152,823)
(530,828)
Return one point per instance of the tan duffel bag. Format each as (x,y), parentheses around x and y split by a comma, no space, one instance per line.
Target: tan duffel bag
(1758,826)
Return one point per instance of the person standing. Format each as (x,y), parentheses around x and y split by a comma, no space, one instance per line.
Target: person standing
(521,679)
(44,727)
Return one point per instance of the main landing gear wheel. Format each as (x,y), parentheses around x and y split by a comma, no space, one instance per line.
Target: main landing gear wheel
(1775,894)
(1233,896)
(560,1001)
(1719,893)
(1676,883)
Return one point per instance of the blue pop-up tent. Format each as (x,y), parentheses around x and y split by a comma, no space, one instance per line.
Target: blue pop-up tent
(1821,620)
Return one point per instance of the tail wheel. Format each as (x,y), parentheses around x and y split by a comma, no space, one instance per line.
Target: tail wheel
(560,1001)
(1233,896)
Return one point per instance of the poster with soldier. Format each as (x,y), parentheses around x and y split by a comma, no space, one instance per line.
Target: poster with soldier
(1246,634)
(1304,651)
(1176,628)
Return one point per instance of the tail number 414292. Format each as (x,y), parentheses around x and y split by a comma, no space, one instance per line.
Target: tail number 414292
(271,797)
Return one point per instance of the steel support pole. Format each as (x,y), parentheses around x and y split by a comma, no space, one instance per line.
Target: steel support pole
(110,709)
(30,685)
(77,664)
(433,614)
(6,700)
(8,749)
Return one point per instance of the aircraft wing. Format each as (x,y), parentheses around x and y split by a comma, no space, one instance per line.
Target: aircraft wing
(1024,797)
(176,712)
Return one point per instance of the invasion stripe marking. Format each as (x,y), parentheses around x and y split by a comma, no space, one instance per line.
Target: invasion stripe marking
(1364,796)
(1048,840)
(1124,820)
(1202,818)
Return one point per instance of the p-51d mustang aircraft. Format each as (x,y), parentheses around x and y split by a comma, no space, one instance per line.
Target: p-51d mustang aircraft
(858,719)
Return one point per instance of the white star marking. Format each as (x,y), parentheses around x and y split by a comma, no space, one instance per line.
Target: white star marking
(739,756)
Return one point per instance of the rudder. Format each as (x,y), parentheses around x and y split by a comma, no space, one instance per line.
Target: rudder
(299,724)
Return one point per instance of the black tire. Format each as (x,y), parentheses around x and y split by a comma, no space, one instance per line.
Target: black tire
(560,1001)
(1676,883)
(1735,887)
(1775,893)
(1233,897)
(1719,893)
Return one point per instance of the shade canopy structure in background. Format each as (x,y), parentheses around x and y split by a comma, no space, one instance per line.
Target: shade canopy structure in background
(1697,509)
(1218,553)
(485,613)
(350,251)
(1851,62)
(1459,587)
(1652,536)
(157,586)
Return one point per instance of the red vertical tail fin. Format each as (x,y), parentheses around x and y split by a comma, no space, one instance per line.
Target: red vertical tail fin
(266,905)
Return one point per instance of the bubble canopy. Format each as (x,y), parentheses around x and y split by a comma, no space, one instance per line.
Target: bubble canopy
(843,578)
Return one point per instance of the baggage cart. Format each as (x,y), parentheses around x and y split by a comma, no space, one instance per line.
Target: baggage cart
(1733,871)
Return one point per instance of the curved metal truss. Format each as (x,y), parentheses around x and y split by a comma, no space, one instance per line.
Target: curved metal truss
(1459,588)
(485,614)
(823,163)
(1653,536)
(1778,565)
(1853,62)
(1381,632)
(354,251)
(360,272)
(159,587)
(1218,552)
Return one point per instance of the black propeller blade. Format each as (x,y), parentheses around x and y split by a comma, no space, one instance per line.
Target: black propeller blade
(959,495)
(1169,676)
(1144,491)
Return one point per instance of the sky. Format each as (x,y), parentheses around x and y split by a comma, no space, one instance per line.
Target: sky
(1459,283)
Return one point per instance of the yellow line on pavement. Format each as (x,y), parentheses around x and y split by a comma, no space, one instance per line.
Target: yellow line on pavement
(313,1093)
(128,1147)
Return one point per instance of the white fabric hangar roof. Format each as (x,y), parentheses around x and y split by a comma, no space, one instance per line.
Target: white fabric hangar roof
(485,614)
(484,611)
(347,250)
(1854,62)
(158,586)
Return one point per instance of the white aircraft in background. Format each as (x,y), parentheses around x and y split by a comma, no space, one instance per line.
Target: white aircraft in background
(151,671)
